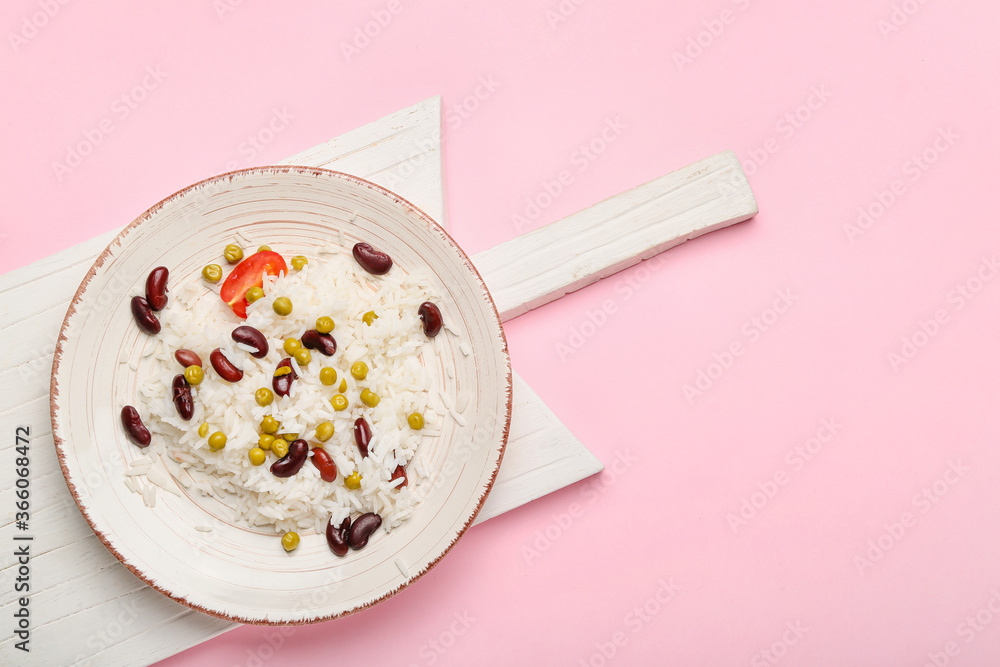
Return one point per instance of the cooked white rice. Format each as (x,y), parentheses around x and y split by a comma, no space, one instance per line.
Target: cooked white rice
(335,286)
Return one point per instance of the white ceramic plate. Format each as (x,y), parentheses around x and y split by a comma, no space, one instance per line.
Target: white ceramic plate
(231,571)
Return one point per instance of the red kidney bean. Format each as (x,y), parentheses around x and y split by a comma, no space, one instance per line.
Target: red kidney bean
(362,435)
(399,472)
(282,384)
(336,536)
(430,315)
(291,463)
(156,288)
(144,316)
(324,463)
(371,260)
(188,358)
(253,338)
(134,428)
(315,340)
(362,529)
(182,398)
(225,368)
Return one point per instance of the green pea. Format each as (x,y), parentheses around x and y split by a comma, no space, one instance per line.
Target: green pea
(289,541)
(279,447)
(255,294)
(299,262)
(269,425)
(217,441)
(282,306)
(325,324)
(324,431)
(291,346)
(416,421)
(353,481)
(233,253)
(328,376)
(303,356)
(264,397)
(369,398)
(359,370)
(194,375)
(212,273)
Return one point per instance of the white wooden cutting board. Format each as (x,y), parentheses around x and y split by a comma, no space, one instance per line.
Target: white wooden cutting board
(86,607)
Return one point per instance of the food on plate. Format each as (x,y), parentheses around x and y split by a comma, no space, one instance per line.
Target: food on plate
(248,274)
(212,273)
(254,339)
(431,317)
(322,342)
(183,399)
(289,541)
(194,375)
(262,408)
(282,306)
(233,253)
(224,367)
(134,428)
(416,421)
(144,316)
(371,260)
(156,288)
(187,358)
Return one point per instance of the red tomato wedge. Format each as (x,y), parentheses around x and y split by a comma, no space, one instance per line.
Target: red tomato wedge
(249,273)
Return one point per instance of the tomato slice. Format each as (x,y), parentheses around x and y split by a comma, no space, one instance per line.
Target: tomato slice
(249,273)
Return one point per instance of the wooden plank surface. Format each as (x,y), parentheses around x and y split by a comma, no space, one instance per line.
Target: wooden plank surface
(543,265)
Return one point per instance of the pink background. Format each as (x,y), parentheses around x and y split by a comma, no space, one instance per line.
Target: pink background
(564,578)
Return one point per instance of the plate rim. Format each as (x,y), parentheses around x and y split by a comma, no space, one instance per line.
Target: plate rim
(117,241)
